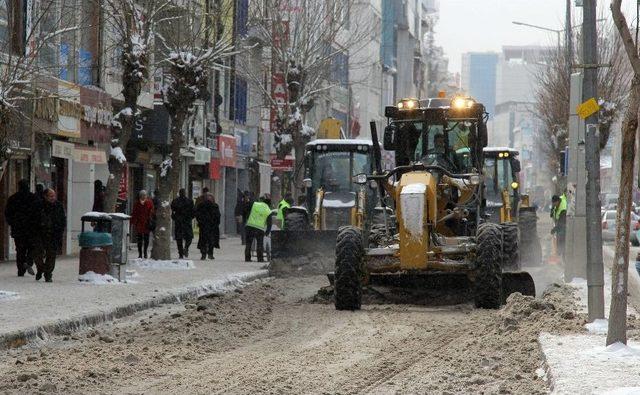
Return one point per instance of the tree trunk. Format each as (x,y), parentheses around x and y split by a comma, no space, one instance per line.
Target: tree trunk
(116,169)
(618,311)
(298,170)
(161,249)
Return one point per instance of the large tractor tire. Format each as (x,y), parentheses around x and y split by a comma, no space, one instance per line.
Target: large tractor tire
(510,246)
(488,279)
(295,220)
(348,271)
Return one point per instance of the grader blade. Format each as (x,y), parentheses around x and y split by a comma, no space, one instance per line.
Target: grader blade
(518,282)
(302,252)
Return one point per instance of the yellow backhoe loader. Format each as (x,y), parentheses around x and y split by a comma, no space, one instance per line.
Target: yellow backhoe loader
(437,189)
(306,242)
(506,205)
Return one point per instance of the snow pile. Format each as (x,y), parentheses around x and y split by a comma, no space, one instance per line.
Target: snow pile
(175,264)
(598,327)
(307,131)
(8,295)
(600,369)
(117,153)
(96,214)
(95,278)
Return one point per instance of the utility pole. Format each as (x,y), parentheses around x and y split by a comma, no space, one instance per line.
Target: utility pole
(595,273)
(568,36)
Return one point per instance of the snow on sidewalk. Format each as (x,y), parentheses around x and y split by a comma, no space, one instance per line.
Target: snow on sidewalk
(581,364)
(174,264)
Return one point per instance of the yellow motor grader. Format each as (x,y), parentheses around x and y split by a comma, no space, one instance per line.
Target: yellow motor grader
(437,189)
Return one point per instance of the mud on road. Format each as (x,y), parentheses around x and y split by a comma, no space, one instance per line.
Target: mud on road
(270,338)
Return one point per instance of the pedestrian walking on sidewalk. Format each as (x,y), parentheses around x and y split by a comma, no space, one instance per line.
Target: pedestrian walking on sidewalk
(208,217)
(53,222)
(21,213)
(141,219)
(258,225)
(182,213)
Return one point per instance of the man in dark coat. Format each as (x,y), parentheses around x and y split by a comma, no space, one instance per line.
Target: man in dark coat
(51,231)
(98,196)
(182,213)
(21,213)
(208,217)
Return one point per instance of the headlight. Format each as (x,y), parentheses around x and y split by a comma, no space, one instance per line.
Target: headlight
(307,182)
(475,180)
(408,104)
(461,103)
(361,179)
(373,184)
(514,185)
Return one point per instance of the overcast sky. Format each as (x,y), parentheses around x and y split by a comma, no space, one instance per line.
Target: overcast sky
(485,25)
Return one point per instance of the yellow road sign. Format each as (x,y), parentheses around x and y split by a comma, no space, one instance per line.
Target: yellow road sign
(588,108)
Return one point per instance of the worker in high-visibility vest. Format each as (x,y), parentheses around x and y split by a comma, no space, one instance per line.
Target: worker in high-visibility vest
(559,215)
(285,203)
(258,225)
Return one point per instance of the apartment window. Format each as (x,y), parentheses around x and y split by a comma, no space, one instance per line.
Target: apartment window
(4,23)
(240,104)
(242,16)
(340,68)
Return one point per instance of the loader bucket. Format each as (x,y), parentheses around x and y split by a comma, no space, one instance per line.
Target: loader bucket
(302,252)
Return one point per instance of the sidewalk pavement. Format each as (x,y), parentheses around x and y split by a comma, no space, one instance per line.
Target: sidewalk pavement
(31,310)
(581,363)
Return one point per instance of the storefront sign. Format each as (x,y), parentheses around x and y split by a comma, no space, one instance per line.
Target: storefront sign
(83,155)
(279,95)
(214,169)
(281,164)
(227,147)
(203,155)
(61,149)
(124,181)
(69,109)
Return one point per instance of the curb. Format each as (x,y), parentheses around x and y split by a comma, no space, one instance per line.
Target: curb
(61,327)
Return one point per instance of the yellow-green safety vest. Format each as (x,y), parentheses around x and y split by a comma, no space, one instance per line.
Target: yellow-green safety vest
(561,207)
(260,212)
(281,206)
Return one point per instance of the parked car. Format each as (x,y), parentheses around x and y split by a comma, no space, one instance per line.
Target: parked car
(609,227)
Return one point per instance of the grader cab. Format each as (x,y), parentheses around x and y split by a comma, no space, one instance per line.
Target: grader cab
(437,190)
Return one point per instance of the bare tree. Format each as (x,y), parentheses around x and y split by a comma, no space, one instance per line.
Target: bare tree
(553,91)
(132,24)
(303,40)
(188,50)
(618,311)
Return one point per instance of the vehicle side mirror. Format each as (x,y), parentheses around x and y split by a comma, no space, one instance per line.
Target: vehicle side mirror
(515,165)
(360,179)
(389,139)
